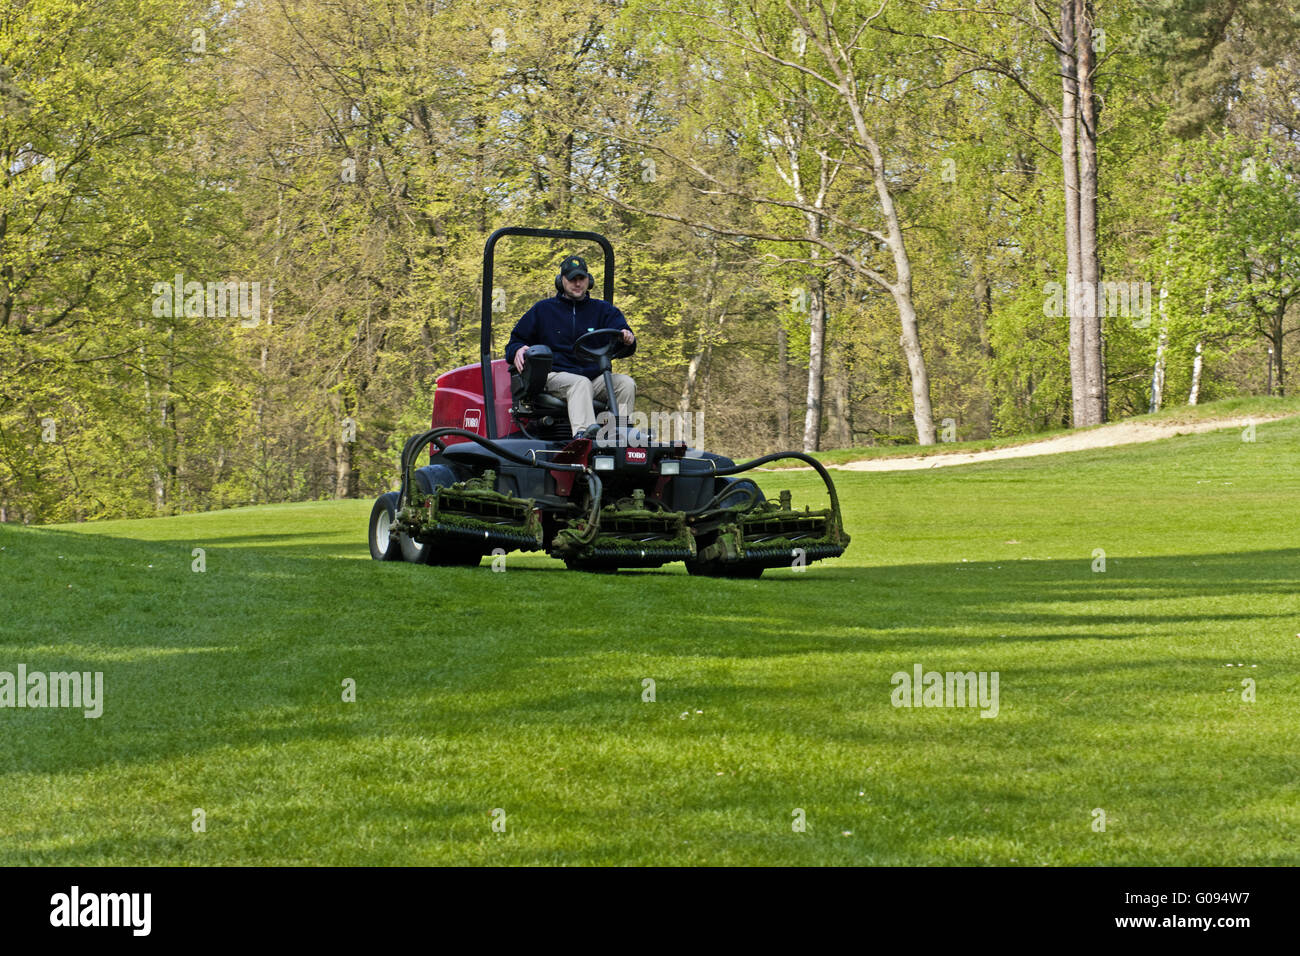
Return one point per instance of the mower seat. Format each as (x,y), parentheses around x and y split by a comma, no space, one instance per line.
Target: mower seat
(543,403)
(536,411)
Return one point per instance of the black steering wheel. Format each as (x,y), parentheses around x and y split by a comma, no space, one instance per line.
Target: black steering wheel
(611,347)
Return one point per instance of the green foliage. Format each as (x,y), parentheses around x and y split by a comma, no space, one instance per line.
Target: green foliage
(1234,244)
(111,183)
(349,158)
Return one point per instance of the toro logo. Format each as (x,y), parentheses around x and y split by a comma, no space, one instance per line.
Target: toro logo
(472,416)
(635,456)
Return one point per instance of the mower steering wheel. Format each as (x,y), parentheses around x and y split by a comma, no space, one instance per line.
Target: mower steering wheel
(586,343)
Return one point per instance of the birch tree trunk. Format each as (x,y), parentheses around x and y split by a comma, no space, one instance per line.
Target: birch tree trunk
(1196,377)
(1196,362)
(1070,172)
(159,491)
(846,86)
(793,176)
(1162,341)
(1089,266)
(692,376)
(704,333)
(901,290)
(812,423)
(1158,372)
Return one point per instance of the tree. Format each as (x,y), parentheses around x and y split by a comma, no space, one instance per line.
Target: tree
(817,57)
(1236,243)
(1017,55)
(108,187)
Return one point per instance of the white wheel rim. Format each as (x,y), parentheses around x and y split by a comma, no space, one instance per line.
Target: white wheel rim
(382,529)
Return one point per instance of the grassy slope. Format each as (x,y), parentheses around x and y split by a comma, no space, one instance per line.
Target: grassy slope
(522,690)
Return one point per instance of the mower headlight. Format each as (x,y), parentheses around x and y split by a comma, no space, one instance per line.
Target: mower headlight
(602,463)
(670,467)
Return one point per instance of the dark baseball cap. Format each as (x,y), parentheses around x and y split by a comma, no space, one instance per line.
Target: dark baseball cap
(574,266)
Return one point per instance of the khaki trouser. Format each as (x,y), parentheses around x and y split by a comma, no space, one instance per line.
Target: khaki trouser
(579,391)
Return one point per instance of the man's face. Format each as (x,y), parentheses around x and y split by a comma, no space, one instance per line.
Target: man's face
(576,286)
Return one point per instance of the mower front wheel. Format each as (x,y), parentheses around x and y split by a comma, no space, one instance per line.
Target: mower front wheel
(413,552)
(427,481)
(382,516)
(421,552)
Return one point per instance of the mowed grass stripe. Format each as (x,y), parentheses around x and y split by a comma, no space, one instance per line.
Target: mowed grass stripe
(523,691)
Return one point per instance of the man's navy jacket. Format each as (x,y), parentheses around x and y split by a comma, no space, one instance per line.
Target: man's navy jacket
(558,322)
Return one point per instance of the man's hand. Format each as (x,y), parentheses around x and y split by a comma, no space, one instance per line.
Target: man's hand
(519,359)
(628,337)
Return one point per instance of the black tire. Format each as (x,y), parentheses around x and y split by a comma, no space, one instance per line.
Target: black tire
(413,552)
(738,492)
(708,570)
(591,567)
(428,480)
(382,516)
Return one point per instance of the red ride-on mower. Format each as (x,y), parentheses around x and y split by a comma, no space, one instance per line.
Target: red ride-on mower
(506,476)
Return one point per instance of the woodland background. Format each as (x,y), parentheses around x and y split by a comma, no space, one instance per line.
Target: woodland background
(837,223)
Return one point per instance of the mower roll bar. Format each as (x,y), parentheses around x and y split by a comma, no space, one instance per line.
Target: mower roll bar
(485,326)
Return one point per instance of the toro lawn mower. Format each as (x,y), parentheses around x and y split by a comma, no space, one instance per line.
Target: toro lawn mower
(507,476)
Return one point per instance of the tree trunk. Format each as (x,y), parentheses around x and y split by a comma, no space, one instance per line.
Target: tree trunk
(842,426)
(342,467)
(692,376)
(1196,377)
(922,413)
(1277,337)
(1070,171)
(812,425)
(1158,372)
(984,309)
(1090,271)
(704,336)
(783,384)
(159,490)
(170,425)
(901,288)
(1162,346)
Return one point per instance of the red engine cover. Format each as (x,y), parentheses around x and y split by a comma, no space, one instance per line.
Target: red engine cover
(458,400)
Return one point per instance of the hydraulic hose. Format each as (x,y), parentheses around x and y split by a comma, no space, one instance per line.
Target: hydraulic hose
(753,493)
(777,456)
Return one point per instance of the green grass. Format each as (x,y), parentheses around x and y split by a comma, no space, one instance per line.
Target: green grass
(522,690)
(1175,414)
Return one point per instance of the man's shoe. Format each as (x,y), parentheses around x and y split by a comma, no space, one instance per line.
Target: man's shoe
(591,431)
